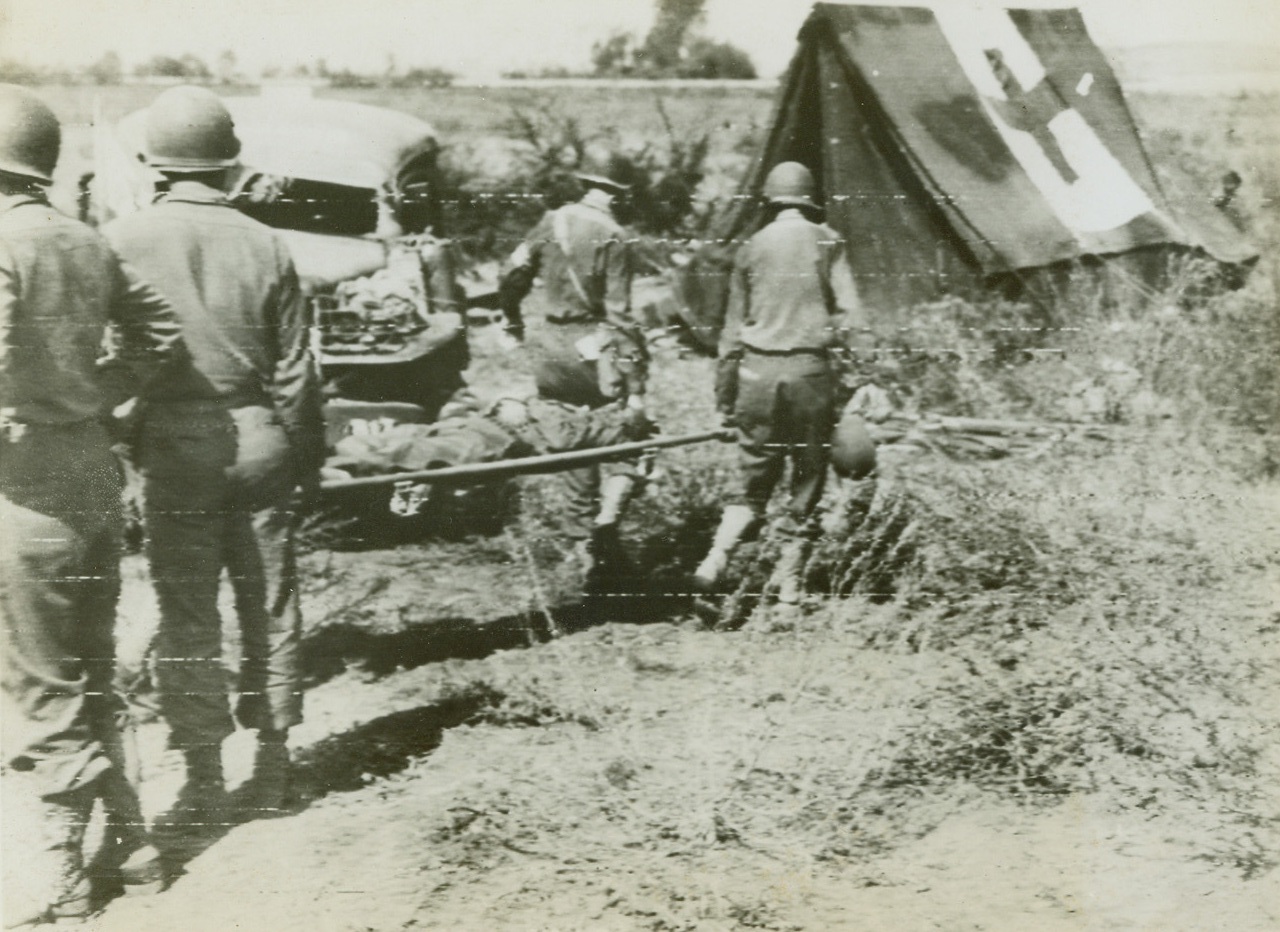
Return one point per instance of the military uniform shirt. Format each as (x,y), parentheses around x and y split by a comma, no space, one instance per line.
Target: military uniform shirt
(61,288)
(233,285)
(590,280)
(791,289)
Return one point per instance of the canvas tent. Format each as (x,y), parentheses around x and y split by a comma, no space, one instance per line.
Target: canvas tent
(959,147)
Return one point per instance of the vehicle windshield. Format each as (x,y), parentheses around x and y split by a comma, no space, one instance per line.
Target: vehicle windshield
(309,206)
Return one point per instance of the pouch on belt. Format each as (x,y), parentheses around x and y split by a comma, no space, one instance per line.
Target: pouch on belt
(262,474)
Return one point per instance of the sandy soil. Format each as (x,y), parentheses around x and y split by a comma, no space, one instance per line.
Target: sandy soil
(658,777)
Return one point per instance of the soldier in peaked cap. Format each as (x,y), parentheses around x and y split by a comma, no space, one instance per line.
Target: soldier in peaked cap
(590,350)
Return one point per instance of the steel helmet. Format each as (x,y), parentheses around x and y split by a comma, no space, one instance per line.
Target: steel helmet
(853,452)
(607,169)
(790,183)
(189,129)
(30,135)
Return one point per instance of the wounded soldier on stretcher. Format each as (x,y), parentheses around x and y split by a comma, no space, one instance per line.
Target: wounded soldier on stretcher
(468,433)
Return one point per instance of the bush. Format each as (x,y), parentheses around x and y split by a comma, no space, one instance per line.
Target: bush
(346,78)
(489,213)
(670,56)
(106,70)
(16,72)
(614,56)
(707,59)
(423,77)
(166,66)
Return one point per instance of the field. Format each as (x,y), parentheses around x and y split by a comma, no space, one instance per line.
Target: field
(1031,691)
(469,113)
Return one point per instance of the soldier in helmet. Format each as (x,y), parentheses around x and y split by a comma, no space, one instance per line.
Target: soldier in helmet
(61,290)
(225,443)
(590,350)
(792,299)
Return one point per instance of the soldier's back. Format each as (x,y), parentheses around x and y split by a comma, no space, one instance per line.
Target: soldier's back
(65,275)
(224,273)
(205,254)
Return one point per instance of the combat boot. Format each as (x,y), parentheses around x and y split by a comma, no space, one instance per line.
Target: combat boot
(267,791)
(53,874)
(735,522)
(606,540)
(127,854)
(788,573)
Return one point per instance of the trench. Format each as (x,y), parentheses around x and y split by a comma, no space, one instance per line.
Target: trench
(381,747)
(643,584)
(334,649)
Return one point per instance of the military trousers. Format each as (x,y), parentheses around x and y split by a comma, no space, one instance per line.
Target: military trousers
(561,374)
(217,487)
(785,411)
(61,521)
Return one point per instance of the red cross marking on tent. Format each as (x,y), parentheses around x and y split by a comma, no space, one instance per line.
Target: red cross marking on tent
(1030,111)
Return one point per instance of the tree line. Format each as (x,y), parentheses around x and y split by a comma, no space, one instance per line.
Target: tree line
(674,47)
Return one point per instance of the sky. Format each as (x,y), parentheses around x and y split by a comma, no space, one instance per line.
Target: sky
(483,38)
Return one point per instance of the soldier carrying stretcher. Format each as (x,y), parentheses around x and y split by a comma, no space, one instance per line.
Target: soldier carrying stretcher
(792,300)
(589,350)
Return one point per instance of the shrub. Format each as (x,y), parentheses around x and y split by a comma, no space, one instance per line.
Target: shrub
(490,213)
(167,66)
(423,77)
(707,59)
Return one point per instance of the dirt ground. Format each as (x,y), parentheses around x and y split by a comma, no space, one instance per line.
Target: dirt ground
(460,769)
(656,777)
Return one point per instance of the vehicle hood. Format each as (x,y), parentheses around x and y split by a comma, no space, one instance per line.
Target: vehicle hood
(328,140)
(324,260)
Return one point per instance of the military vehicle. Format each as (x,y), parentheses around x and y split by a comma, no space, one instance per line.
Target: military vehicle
(352,189)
